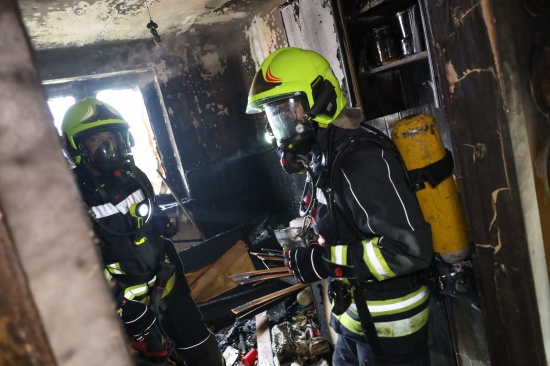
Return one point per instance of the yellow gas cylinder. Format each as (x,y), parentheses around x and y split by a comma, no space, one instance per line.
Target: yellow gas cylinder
(419,142)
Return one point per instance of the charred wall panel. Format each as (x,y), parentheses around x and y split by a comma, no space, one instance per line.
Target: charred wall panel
(247,190)
(467,54)
(204,77)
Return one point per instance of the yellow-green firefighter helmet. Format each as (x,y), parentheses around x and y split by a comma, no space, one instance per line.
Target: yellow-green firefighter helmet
(292,71)
(89,116)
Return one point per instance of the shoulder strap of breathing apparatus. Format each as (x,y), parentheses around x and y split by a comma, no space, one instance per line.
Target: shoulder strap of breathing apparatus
(372,137)
(434,173)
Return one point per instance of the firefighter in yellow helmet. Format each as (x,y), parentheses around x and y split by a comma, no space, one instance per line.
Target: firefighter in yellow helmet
(373,240)
(149,286)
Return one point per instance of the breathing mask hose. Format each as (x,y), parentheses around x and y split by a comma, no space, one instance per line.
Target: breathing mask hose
(309,185)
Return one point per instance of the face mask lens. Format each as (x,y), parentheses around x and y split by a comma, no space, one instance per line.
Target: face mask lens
(284,116)
(104,145)
(106,151)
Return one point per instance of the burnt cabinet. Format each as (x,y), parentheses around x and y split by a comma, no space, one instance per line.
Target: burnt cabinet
(389,58)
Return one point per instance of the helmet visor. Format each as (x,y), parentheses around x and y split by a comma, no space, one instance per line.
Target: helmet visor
(285,116)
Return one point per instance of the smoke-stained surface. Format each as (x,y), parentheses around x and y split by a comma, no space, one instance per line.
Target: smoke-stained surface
(67,23)
(203,77)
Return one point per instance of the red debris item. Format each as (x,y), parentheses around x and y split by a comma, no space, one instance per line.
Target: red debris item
(250,358)
(316,332)
(141,347)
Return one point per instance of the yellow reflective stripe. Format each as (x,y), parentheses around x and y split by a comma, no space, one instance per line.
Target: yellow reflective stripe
(140,241)
(169,285)
(403,327)
(114,268)
(339,254)
(375,260)
(391,329)
(133,291)
(396,305)
(107,275)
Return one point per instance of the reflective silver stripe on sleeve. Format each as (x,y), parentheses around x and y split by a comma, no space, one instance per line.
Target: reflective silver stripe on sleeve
(375,260)
(104,210)
(109,209)
(338,254)
(135,197)
(131,292)
(114,268)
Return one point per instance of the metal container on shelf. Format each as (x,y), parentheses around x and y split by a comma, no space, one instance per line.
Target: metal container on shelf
(385,51)
(367,59)
(408,25)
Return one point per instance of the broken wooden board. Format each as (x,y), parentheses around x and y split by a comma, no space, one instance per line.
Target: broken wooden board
(212,280)
(223,281)
(257,303)
(260,275)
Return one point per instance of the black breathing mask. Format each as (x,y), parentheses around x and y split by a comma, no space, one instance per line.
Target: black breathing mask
(292,129)
(294,151)
(107,159)
(291,123)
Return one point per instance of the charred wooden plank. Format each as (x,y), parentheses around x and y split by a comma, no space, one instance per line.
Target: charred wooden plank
(239,310)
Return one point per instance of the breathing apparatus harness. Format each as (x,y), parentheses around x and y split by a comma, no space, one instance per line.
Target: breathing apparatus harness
(128,171)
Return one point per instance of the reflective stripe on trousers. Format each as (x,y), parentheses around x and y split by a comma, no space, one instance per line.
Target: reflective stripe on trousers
(393,308)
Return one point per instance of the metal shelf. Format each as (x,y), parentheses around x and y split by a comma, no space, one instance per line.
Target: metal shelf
(389,7)
(404,61)
(371,4)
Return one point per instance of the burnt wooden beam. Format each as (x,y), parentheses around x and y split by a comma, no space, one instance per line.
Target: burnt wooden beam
(467,54)
(20,328)
(55,305)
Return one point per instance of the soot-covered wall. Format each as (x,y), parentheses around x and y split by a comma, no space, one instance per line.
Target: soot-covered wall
(203,77)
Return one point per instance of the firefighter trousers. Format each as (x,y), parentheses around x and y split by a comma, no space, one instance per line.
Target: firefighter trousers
(353,350)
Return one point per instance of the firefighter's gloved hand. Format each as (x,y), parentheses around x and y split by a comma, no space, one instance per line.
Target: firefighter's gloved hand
(137,318)
(306,264)
(314,263)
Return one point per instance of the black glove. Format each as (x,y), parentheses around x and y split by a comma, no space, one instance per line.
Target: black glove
(310,264)
(137,318)
(306,264)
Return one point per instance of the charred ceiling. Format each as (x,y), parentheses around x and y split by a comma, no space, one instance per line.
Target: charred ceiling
(54,24)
